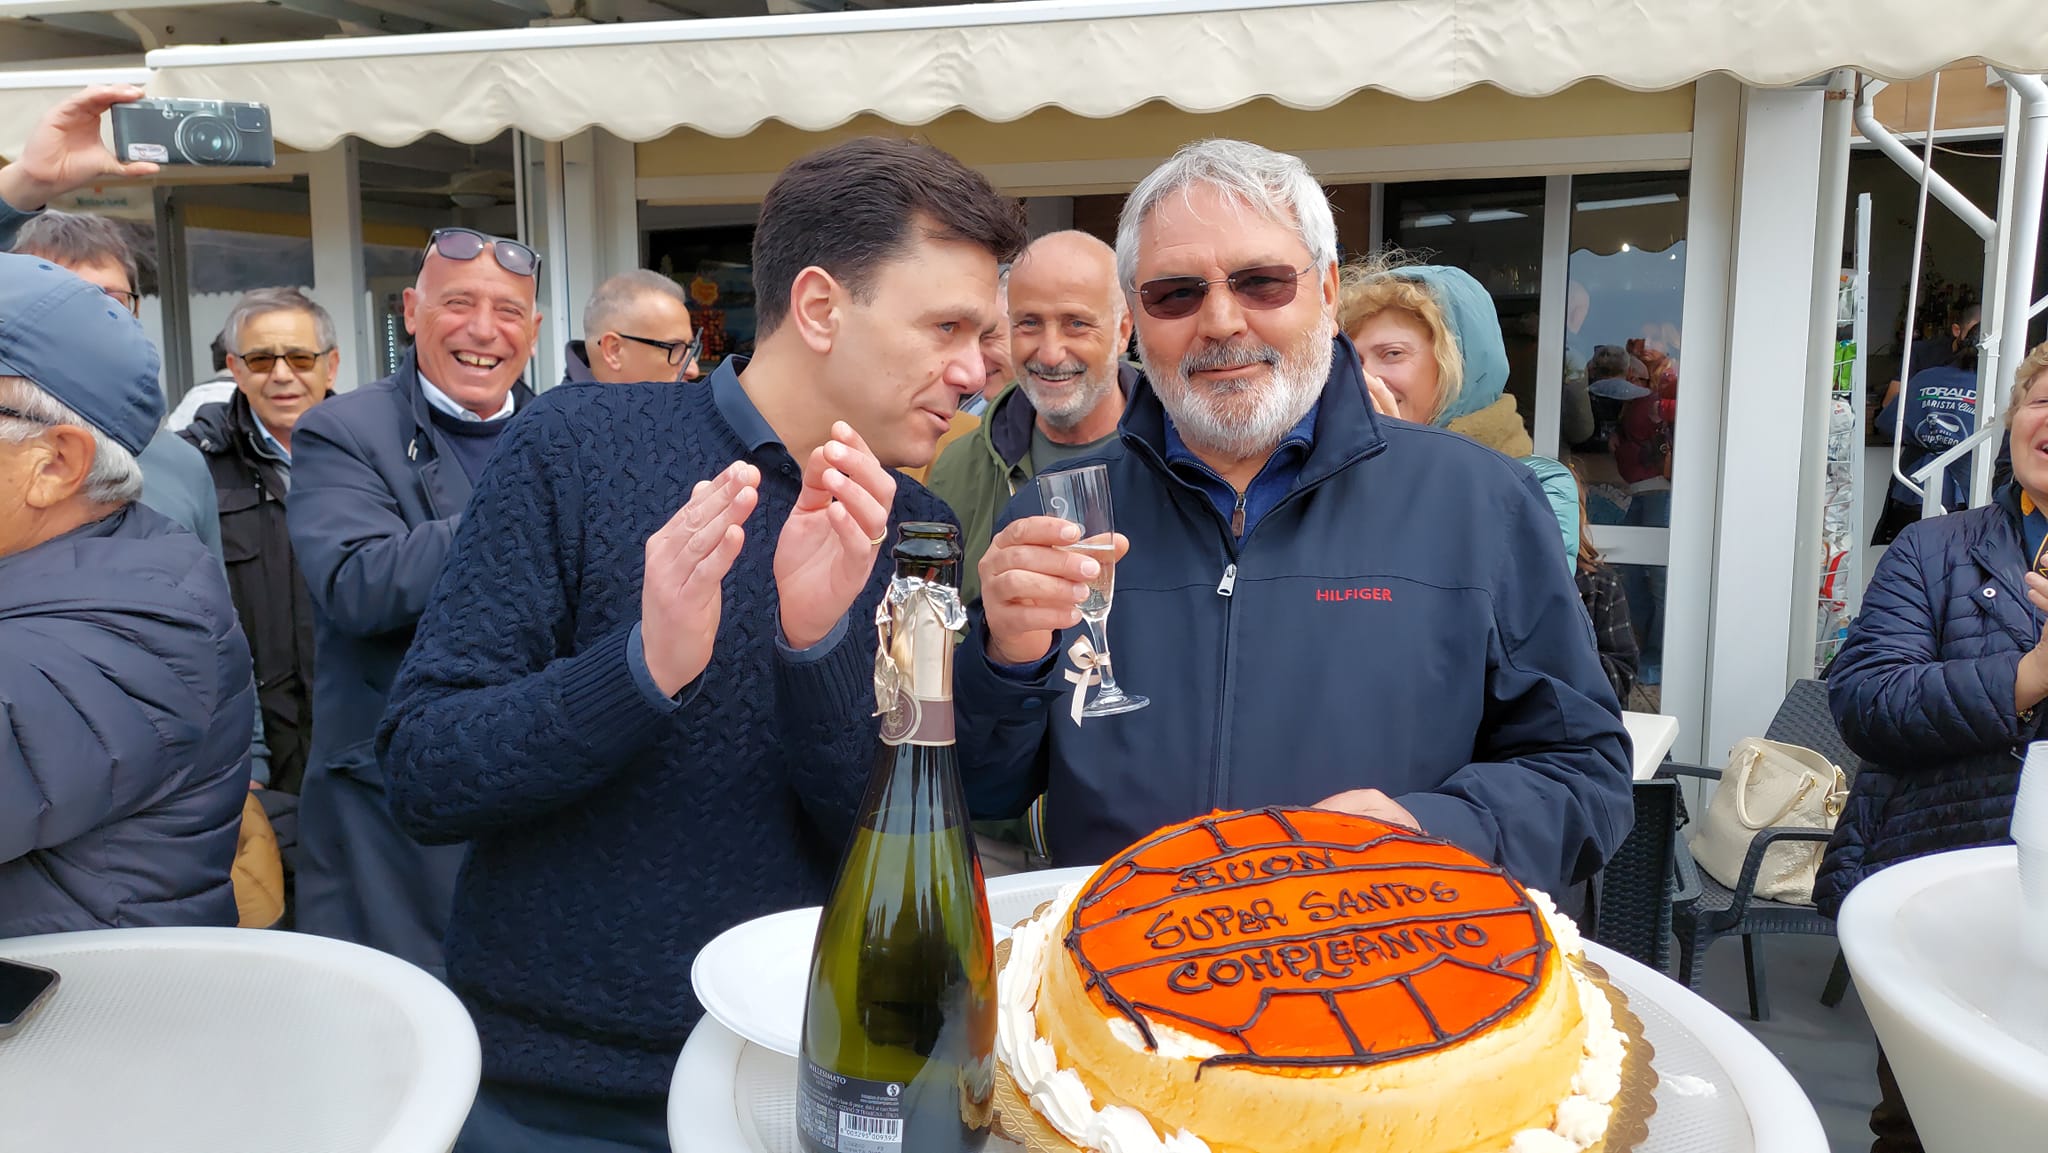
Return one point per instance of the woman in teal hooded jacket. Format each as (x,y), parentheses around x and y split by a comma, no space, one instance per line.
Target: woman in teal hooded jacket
(1430,341)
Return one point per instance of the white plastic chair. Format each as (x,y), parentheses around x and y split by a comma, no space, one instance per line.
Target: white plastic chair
(220,1040)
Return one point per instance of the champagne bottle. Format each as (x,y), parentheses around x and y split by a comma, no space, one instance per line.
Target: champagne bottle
(900,1022)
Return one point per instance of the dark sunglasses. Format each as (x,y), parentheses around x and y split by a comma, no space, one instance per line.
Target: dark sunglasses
(1265,287)
(468,244)
(680,352)
(261,363)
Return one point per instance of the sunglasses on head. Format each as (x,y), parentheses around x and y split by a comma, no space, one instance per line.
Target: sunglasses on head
(468,244)
(261,363)
(1265,287)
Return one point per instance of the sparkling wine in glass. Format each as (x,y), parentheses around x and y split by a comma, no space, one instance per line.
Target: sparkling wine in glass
(1081,495)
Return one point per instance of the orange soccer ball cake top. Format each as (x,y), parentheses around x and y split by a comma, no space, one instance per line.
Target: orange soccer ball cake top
(1299,939)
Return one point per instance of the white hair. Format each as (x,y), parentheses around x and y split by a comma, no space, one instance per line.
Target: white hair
(115,478)
(1274,184)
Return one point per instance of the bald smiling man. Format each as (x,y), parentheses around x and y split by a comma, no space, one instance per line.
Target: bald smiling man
(379,479)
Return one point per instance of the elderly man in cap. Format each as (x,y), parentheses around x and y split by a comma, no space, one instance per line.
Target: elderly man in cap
(125,691)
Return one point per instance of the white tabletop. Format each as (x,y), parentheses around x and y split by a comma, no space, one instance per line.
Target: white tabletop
(1720,1090)
(1962,1013)
(1653,735)
(220,1040)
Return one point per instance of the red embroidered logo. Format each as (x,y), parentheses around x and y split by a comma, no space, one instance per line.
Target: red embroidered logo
(1354,594)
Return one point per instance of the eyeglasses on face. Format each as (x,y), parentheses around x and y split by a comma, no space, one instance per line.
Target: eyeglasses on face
(264,363)
(468,244)
(1265,287)
(132,301)
(680,352)
(17,414)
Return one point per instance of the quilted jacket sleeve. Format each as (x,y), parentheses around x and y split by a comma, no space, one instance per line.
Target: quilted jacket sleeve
(1895,695)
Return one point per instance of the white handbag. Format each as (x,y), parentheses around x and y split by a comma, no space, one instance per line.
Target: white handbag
(1769,784)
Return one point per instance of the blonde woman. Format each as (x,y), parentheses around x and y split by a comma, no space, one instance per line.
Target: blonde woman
(1430,342)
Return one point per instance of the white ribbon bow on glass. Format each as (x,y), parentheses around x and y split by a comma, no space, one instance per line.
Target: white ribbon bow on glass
(1089,666)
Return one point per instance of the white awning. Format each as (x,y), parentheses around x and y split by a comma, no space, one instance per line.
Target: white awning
(1096,58)
(25,96)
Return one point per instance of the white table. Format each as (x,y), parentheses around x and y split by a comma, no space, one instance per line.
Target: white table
(1721,1091)
(223,1040)
(1653,735)
(1934,947)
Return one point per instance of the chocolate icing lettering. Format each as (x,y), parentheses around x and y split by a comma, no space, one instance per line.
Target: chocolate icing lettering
(1187,929)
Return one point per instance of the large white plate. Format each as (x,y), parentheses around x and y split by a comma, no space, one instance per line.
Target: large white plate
(751,978)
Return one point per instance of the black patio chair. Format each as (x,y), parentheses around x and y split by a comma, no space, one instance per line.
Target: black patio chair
(1705,910)
(1632,901)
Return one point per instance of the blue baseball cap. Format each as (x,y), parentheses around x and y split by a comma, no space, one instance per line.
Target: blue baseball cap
(80,346)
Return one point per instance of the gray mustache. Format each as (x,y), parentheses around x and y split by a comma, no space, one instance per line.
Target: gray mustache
(1225,356)
(1069,368)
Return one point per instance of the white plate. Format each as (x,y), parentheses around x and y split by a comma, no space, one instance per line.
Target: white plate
(751,978)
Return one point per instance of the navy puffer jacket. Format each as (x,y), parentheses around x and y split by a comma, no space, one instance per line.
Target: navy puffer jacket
(125,697)
(1923,692)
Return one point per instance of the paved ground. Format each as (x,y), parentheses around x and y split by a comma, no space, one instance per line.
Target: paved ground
(1831,1052)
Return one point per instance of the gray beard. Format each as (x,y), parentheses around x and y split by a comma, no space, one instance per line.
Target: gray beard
(1065,413)
(1246,421)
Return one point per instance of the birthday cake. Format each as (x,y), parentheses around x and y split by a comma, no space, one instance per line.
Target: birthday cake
(1301,981)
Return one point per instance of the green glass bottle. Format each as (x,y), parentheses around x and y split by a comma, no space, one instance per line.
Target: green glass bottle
(900,1023)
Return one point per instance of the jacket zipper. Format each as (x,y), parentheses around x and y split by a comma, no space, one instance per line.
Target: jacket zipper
(1237,518)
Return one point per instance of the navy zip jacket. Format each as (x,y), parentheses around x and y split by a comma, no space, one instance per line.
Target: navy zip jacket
(1923,691)
(1397,622)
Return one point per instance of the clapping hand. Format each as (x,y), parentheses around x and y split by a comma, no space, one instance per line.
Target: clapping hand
(829,544)
(687,559)
(63,151)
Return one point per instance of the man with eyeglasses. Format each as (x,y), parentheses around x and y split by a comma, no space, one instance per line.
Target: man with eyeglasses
(98,251)
(1325,606)
(636,329)
(379,479)
(283,359)
(125,691)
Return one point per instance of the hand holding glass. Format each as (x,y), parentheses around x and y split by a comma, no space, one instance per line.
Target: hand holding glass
(1081,496)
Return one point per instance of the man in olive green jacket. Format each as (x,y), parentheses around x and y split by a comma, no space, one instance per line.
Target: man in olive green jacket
(1068,327)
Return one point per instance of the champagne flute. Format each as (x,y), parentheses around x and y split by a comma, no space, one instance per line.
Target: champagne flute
(1081,496)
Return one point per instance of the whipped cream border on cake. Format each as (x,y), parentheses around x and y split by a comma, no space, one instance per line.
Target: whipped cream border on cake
(1060,1097)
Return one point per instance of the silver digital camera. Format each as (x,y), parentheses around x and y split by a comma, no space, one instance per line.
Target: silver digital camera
(212,133)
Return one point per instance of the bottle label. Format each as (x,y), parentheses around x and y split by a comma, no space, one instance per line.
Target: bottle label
(917,721)
(847,1114)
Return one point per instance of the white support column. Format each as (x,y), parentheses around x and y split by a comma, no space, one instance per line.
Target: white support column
(1769,319)
(1832,203)
(618,207)
(1697,434)
(580,243)
(334,192)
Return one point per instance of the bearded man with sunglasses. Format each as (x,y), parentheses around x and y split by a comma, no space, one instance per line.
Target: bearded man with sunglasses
(380,477)
(1325,606)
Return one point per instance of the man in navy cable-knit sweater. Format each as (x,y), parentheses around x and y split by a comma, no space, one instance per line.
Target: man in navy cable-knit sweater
(641,690)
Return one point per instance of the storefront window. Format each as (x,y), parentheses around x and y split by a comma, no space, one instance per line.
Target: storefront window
(715,268)
(1492,229)
(1625,301)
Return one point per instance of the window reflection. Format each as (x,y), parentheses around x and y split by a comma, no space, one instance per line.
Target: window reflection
(1624,303)
(1492,229)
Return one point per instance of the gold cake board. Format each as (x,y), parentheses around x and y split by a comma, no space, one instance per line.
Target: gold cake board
(1627,1128)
